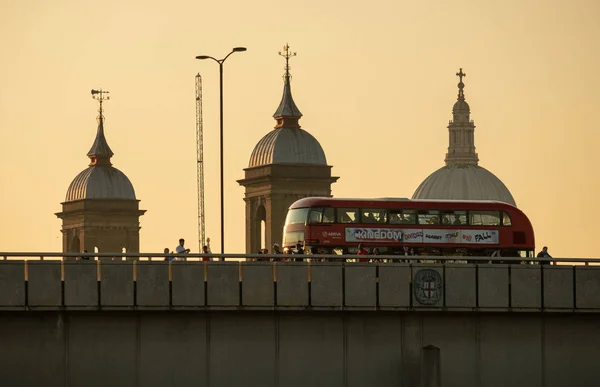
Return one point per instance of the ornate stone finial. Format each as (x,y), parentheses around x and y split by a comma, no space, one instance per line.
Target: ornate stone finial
(461,85)
(287,54)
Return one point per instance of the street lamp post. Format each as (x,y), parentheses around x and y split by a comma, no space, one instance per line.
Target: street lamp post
(220,62)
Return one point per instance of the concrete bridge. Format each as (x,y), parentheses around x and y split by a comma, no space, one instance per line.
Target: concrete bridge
(136,323)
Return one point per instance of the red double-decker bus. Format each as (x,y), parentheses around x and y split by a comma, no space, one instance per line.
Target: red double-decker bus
(426,227)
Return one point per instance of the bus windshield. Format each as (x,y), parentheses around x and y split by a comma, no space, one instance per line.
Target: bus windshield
(296,216)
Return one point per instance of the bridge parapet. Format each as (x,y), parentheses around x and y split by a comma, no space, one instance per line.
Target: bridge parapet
(138,285)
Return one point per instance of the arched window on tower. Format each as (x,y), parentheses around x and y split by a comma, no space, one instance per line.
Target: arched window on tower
(75,246)
(261,228)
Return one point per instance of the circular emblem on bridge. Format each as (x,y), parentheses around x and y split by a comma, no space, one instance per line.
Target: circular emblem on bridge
(427,286)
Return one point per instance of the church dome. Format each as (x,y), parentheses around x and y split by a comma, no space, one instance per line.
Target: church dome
(287,146)
(463,182)
(100,182)
(462,178)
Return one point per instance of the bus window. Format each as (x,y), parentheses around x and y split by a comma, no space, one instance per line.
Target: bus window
(373,215)
(454,218)
(321,215)
(402,217)
(484,218)
(296,216)
(429,217)
(506,219)
(329,215)
(347,215)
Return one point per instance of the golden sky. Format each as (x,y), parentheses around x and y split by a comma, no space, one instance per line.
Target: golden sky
(375,82)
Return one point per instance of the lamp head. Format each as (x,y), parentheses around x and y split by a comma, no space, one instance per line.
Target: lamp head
(239,49)
(202,57)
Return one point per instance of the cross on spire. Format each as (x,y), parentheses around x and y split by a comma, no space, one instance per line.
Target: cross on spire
(461,85)
(287,54)
(460,75)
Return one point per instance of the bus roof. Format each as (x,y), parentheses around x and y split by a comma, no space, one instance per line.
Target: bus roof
(309,200)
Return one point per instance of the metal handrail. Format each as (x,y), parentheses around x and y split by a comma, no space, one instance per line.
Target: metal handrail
(278,257)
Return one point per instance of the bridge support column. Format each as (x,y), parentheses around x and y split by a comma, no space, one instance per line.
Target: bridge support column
(430,367)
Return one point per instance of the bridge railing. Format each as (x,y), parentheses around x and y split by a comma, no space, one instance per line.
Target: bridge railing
(289,257)
(61,282)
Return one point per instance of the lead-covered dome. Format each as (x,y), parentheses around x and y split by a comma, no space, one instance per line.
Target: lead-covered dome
(463,182)
(461,105)
(100,182)
(287,146)
(462,178)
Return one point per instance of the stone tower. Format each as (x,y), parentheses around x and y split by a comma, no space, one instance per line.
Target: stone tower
(100,212)
(287,164)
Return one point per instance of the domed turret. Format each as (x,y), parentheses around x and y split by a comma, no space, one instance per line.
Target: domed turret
(287,164)
(100,211)
(462,178)
(287,146)
(100,183)
(461,106)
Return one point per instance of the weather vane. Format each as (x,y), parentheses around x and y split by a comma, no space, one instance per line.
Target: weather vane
(99,95)
(287,54)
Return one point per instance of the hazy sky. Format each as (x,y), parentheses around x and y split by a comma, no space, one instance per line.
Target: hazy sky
(375,82)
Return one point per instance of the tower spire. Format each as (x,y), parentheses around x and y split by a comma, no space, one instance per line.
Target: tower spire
(287,114)
(100,153)
(461,130)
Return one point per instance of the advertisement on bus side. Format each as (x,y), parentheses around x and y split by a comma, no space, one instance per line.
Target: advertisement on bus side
(368,234)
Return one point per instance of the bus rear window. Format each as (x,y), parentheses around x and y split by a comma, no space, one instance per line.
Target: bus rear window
(296,216)
(506,219)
